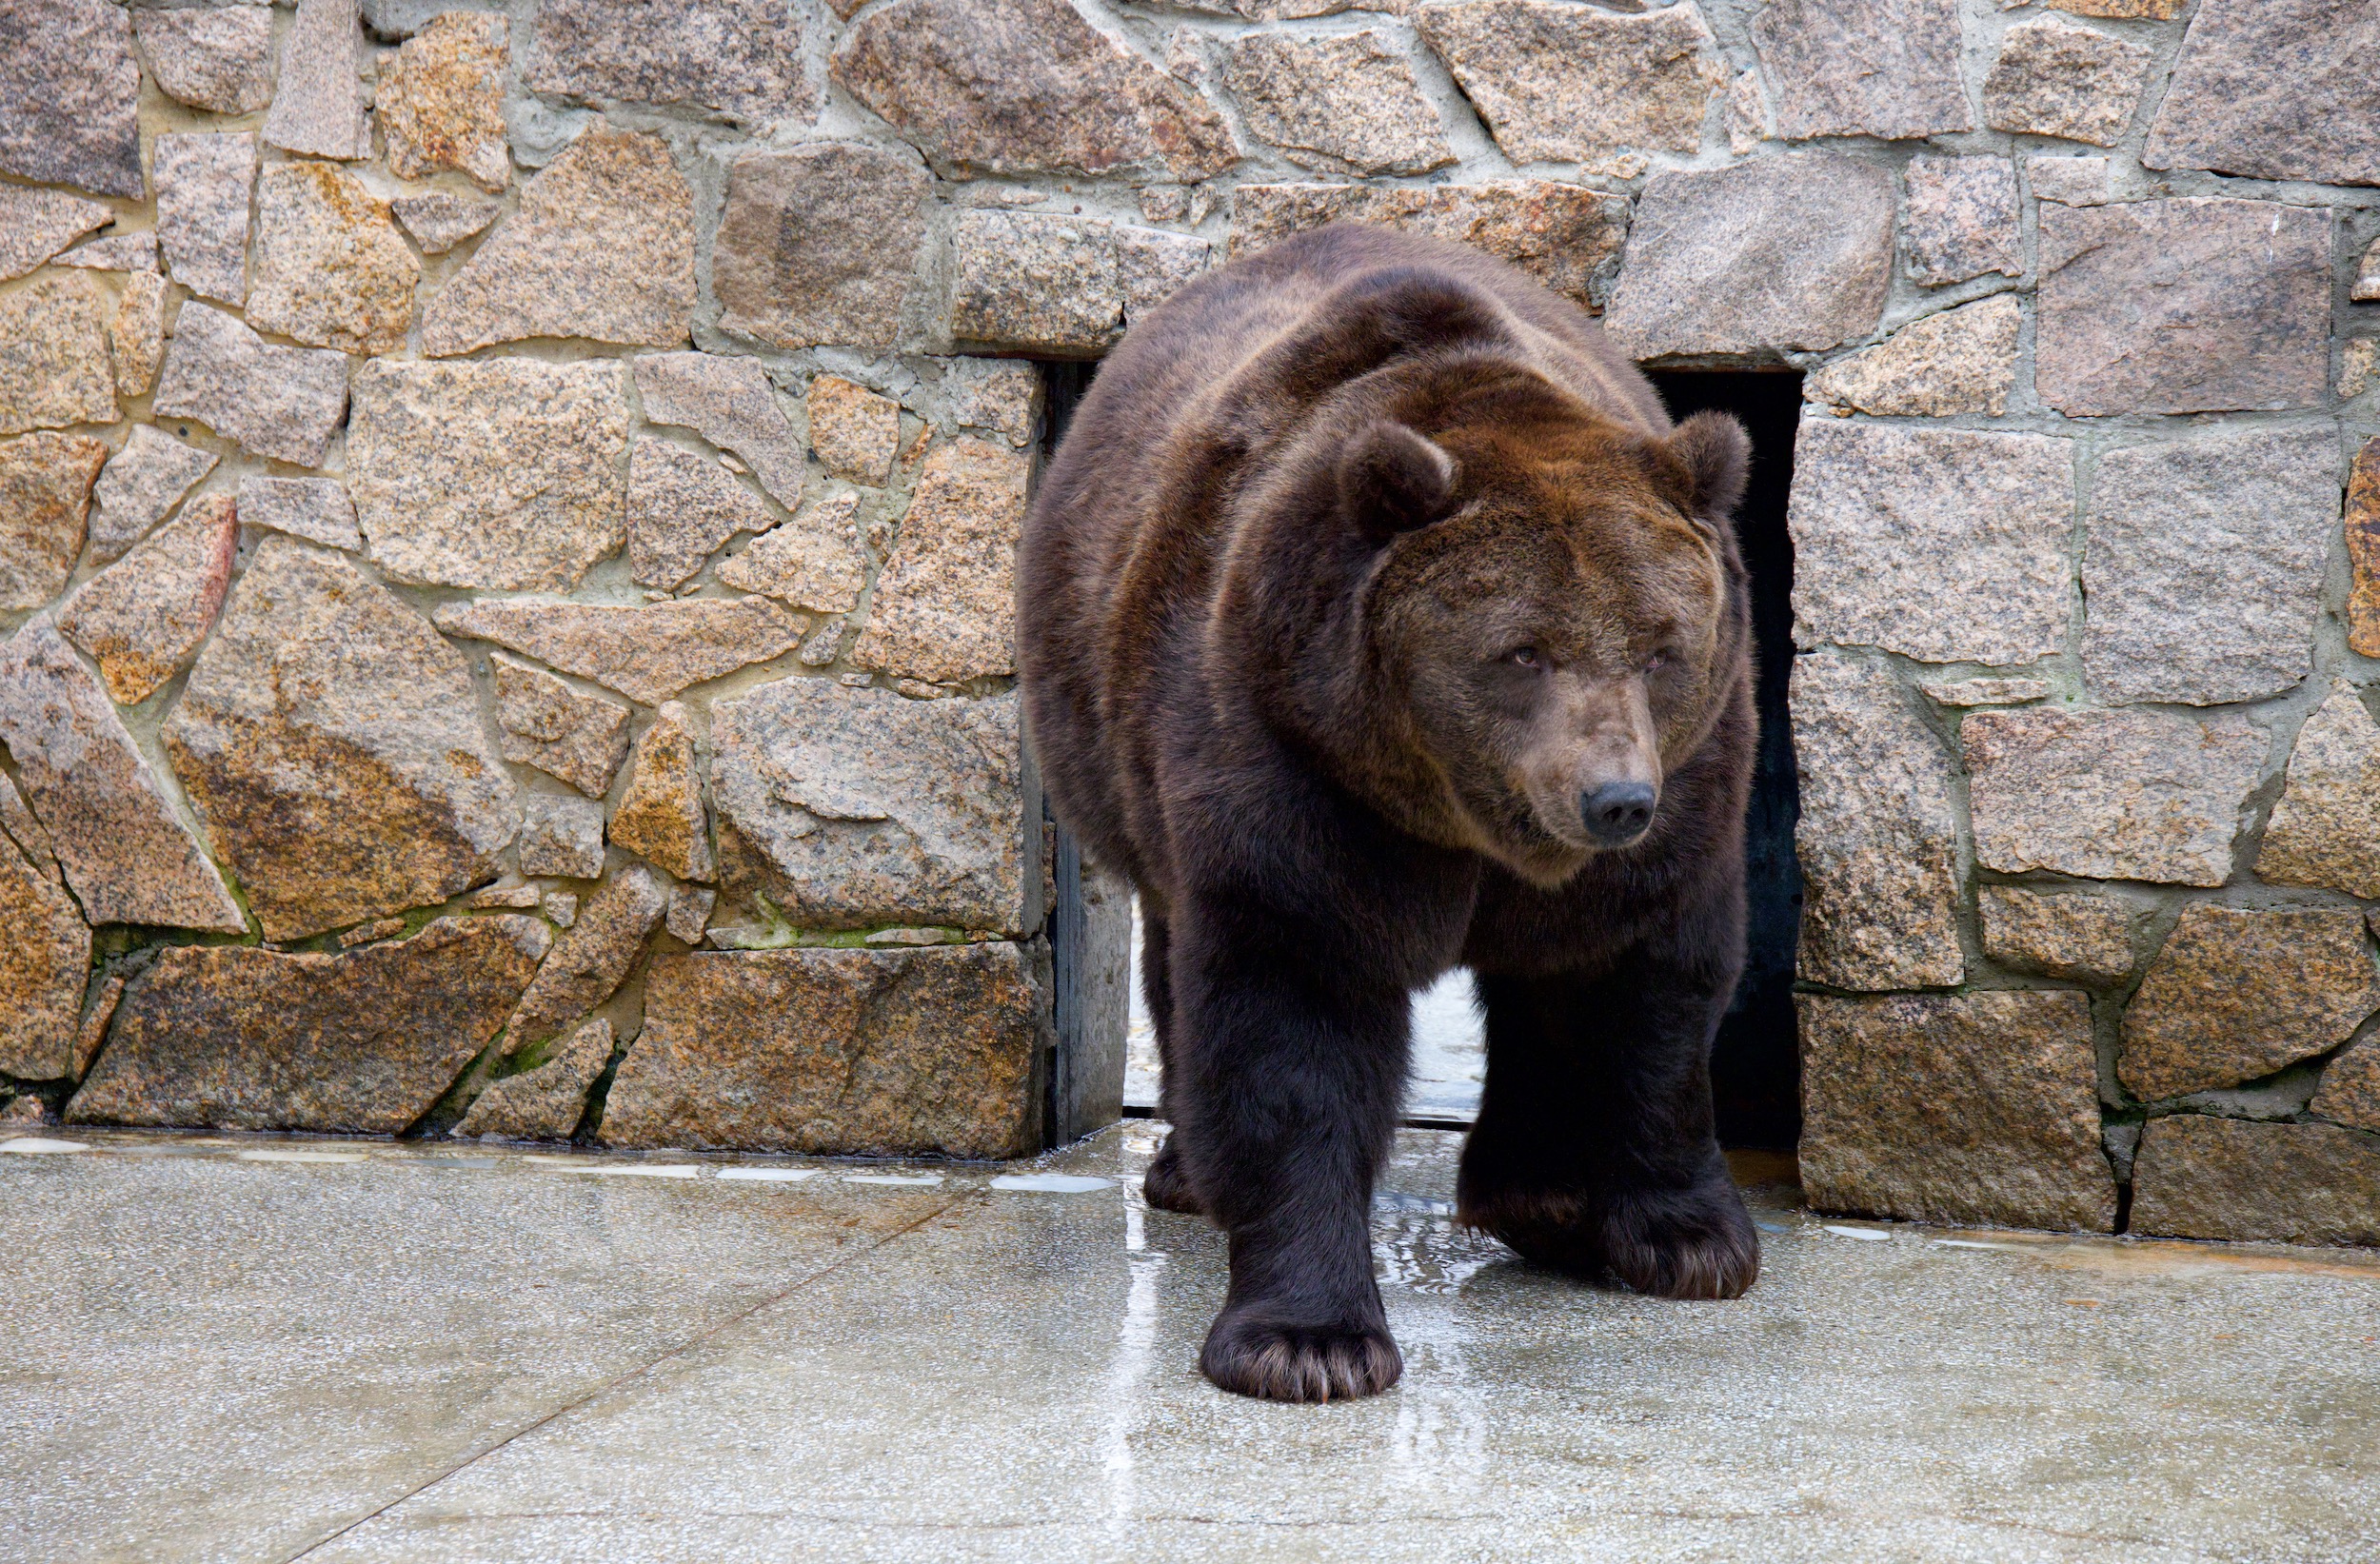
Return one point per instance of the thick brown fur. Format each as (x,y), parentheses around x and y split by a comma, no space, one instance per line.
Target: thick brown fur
(1376,619)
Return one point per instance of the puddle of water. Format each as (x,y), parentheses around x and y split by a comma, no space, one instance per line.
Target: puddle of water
(1874,1235)
(1052,1183)
(768,1175)
(616,1170)
(892,1178)
(301,1157)
(34,1145)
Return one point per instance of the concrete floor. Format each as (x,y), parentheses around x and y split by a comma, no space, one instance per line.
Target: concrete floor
(268,1350)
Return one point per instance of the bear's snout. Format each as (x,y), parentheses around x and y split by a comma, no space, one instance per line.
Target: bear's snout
(1618,812)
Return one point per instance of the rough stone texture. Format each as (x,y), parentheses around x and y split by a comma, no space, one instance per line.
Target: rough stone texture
(1984,692)
(2199,1178)
(45,957)
(363,1042)
(1954,1108)
(818,243)
(647,654)
(1152,266)
(2275,90)
(560,908)
(45,494)
(136,338)
(501,472)
(116,252)
(318,107)
(1000,395)
(562,834)
(848,808)
(2203,569)
(1560,82)
(144,616)
(2366,287)
(2363,550)
(216,58)
(1047,283)
(203,185)
(2055,79)
(1026,87)
(441,219)
(591,960)
(1962,219)
(545,1101)
(812,562)
(1874,68)
(2326,829)
(98,1012)
(278,401)
(365,934)
(1345,102)
(2081,937)
(18,824)
(2075,181)
(139,484)
(332,741)
(2129,11)
(1960,361)
(2359,365)
(729,402)
(2351,1088)
(1879,833)
(126,854)
(564,732)
(602,246)
(53,355)
(1877,508)
(2110,794)
(2179,307)
(317,509)
(1567,236)
(1747,115)
(441,100)
(882,1051)
(661,816)
(945,607)
(35,225)
(690,912)
(1734,260)
(680,507)
(69,95)
(2237,993)
(331,270)
(854,431)
(739,58)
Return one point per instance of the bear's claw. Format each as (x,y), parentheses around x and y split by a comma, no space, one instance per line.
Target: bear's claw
(1691,1244)
(1275,1362)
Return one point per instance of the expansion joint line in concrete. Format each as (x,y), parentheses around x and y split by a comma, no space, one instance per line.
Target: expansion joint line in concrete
(698,1339)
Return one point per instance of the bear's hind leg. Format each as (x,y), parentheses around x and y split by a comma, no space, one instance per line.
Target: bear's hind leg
(1165,1185)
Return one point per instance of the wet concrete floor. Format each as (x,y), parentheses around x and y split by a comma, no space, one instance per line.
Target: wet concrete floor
(260,1349)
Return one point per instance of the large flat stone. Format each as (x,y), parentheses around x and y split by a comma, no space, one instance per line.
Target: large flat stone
(562,834)
(820,244)
(1558,84)
(140,483)
(739,58)
(332,741)
(35,225)
(53,355)
(1960,361)
(1024,87)
(318,107)
(2200,1178)
(500,472)
(317,509)
(1787,252)
(2275,90)
(2326,828)
(2075,936)
(854,431)
(1001,396)
(2053,78)
(2183,307)
(2363,550)
(729,402)
(235,1038)
(1962,219)
(331,269)
(1567,236)
(70,95)
(126,853)
(1954,1108)
(143,617)
(136,338)
(1862,67)
(1879,833)
(680,507)
(202,187)
(1877,509)
(441,100)
(1346,102)
(852,808)
(2110,794)
(545,1101)
(590,963)
(879,1051)
(2205,564)
(218,58)
(2236,993)
(660,816)
(1029,281)
(602,246)
(647,654)
(45,959)
(812,562)
(45,497)
(945,603)
(565,732)
(278,401)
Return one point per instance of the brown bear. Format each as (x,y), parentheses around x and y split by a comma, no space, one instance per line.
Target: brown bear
(1376,619)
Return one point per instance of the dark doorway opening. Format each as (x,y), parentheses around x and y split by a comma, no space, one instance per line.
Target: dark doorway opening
(1755,1069)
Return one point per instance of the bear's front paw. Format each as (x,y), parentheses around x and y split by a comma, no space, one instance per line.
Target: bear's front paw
(1693,1243)
(1274,1360)
(1166,1187)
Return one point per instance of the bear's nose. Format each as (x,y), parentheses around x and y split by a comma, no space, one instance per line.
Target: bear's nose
(1618,813)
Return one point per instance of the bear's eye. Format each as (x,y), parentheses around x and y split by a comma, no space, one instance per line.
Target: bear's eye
(1525,657)
(1657,661)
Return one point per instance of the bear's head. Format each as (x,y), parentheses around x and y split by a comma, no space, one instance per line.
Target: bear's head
(1551,616)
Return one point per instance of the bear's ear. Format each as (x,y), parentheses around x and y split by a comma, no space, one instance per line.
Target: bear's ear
(1717,455)
(1392,480)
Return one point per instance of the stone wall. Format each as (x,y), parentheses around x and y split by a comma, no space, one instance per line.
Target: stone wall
(507,516)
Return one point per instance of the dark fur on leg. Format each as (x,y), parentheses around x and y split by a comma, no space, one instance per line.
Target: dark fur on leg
(1167,1187)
